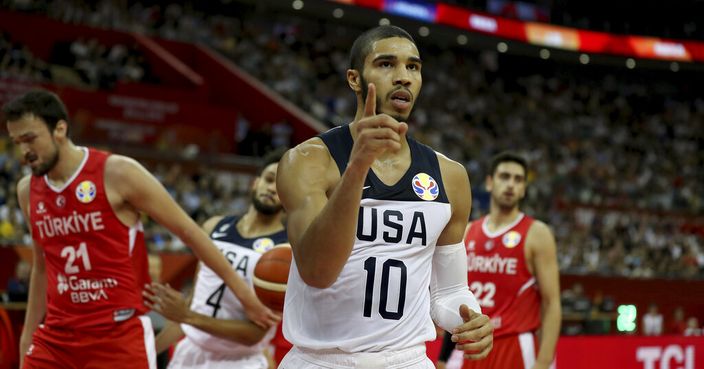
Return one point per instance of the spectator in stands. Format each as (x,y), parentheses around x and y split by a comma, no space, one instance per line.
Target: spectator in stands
(652,321)
(693,328)
(678,325)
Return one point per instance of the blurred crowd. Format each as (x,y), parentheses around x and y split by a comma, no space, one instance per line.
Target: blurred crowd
(615,158)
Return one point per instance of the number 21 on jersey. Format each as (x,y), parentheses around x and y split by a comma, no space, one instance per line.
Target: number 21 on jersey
(72,254)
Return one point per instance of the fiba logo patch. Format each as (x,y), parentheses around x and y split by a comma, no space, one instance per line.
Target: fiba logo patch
(85,192)
(511,239)
(263,245)
(425,187)
(62,284)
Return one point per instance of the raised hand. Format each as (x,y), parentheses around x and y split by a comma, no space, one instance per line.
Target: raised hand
(475,335)
(376,133)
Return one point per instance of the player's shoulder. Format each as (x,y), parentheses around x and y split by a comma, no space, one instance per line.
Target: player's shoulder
(120,165)
(312,151)
(23,183)
(453,172)
(23,188)
(539,232)
(210,224)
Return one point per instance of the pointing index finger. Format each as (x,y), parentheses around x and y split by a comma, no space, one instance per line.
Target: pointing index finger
(370,103)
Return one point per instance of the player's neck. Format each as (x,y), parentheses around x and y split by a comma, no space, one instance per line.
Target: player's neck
(70,158)
(500,217)
(254,223)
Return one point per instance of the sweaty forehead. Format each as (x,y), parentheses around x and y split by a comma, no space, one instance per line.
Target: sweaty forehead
(400,47)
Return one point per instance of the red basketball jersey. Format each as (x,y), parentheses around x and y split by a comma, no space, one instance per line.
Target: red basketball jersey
(96,266)
(499,277)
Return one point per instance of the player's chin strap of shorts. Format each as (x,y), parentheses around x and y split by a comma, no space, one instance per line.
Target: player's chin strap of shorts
(448,286)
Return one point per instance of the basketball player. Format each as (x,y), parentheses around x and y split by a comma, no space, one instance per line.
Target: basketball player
(513,268)
(218,333)
(376,221)
(90,263)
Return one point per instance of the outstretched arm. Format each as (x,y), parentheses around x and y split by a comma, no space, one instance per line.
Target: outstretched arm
(541,244)
(322,207)
(142,191)
(173,306)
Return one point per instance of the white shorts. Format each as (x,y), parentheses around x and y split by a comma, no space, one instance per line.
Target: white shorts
(302,358)
(188,355)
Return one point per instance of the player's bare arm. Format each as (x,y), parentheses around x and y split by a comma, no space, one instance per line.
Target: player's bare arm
(321,205)
(36,303)
(170,334)
(173,306)
(475,335)
(542,254)
(130,185)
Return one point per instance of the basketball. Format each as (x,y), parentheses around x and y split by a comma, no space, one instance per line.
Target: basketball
(271,276)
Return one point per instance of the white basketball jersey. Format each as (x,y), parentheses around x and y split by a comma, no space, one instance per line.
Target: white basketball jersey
(381,299)
(212,297)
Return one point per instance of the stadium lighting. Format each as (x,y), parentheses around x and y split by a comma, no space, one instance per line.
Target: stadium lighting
(630,63)
(626,321)
(423,31)
(544,54)
(338,13)
(502,47)
(462,40)
(297,4)
(584,59)
(384,22)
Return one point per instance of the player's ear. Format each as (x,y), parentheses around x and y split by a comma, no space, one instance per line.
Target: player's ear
(354,80)
(61,129)
(488,183)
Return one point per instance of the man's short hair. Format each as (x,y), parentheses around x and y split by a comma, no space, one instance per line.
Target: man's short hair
(41,103)
(508,156)
(362,46)
(273,156)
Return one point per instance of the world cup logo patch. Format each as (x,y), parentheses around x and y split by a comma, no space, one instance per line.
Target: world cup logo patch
(425,187)
(86,191)
(263,245)
(511,239)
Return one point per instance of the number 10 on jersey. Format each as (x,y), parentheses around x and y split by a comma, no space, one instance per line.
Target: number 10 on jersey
(370,268)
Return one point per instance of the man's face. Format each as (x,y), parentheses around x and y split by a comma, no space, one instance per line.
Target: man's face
(264,196)
(37,145)
(394,66)
(507,185)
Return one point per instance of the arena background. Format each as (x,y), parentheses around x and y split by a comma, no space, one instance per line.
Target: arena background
(604,98)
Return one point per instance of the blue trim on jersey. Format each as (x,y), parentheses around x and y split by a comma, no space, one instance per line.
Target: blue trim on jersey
(423,160)
(226,231)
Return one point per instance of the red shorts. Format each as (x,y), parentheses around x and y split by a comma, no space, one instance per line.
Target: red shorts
(128,345)
(515,351)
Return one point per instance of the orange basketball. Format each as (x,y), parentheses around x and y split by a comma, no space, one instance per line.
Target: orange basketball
(271,276)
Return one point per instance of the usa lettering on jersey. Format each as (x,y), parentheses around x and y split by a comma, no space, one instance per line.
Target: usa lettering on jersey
(392,225)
